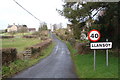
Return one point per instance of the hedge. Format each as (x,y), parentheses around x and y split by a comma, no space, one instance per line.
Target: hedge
(8,55)
(82,48)
(6,37)
(44,38)
(33,49)
(72,41)
(38,47)
(29,36)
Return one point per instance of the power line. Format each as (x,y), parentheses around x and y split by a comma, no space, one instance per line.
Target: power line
(26,10)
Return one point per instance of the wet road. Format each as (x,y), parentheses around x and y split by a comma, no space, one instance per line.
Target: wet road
(57,65)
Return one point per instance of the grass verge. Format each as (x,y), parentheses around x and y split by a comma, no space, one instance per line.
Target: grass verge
(84,65)
(19,65)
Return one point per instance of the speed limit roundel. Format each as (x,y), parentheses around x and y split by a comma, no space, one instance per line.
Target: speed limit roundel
(94,35)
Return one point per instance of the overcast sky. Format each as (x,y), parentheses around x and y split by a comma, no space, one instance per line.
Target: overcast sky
(45,10)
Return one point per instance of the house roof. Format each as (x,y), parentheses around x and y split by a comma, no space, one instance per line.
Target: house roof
(9,26)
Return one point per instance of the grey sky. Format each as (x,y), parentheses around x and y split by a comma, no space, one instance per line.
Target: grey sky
(45,10)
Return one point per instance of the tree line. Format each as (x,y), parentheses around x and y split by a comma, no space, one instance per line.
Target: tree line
(103,16)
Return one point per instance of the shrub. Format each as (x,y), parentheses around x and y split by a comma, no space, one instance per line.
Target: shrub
(37,33)
(29,36)
(8,55)
(44,38)
(44,33)
(72,41)
(6,37)
(82,48)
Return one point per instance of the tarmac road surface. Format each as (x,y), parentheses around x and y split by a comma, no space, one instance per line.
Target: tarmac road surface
(57,65)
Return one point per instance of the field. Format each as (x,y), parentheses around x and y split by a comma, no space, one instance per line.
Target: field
(16,34)
(19,43)
(84,64)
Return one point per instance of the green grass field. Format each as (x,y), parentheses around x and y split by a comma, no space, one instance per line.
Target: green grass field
(84,65)
(16,34)
(19,43)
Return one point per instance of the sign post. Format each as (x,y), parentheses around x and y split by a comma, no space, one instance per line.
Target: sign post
(94,59)
(94,36)
(107,55)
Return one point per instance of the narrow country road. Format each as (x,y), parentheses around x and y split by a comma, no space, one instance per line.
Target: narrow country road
(57,65)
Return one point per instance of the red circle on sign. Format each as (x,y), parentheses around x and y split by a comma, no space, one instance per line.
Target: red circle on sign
(92,39)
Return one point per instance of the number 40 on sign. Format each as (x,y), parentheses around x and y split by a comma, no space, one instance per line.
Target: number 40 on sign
(94,35)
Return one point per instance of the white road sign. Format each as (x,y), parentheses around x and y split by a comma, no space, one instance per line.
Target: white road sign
(101,45)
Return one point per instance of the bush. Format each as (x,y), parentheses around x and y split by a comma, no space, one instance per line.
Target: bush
(37,33)
(8,55)
(44,33)
(6,37)
(63,37)
(44,38)
(82,48)
(72,41)
(29,36)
